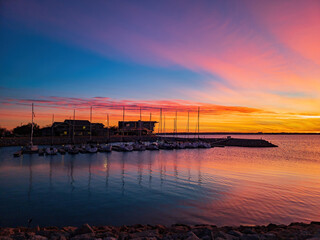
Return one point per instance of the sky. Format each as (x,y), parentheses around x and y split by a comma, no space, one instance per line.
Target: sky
(251,66)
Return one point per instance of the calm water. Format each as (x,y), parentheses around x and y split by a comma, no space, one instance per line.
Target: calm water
(222,186)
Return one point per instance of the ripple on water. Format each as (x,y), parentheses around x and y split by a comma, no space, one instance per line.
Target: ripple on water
(223,186)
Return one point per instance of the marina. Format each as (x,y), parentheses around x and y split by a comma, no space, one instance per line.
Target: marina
(167,143)
(133,130)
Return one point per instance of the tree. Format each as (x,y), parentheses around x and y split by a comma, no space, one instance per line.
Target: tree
(4,132)
(25,130)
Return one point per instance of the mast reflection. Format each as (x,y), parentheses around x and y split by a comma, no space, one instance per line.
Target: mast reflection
(30,176)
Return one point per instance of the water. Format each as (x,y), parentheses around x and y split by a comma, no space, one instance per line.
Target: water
(222,186)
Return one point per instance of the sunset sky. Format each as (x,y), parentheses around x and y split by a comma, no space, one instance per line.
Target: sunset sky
(251,66)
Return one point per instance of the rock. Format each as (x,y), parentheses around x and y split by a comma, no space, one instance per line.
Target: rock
(235,233)
(123,235)
(85,228)
(250,237)
(297,224)
(248,231)
(5,238)
(270,236)
(148,233)
(201,232)
(271,227)
(58,237)
(179,228)
(38,237)
(144,238)
(44,233)
(19,236)
(206,238)
(191,236)
(224,235)
(70,230)
(86,236)
(7,231)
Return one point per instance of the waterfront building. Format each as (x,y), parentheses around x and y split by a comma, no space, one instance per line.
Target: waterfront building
(136,127)
(79,127)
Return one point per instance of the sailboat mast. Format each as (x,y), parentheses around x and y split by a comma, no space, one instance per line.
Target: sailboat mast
(74,119)
(164,124)
(198,121)
(188,123)
(140,124)
(123,111)
(31,140)
(160,122)
(150,122)
(90,123)
(52,129)
(108,125)
(176,122)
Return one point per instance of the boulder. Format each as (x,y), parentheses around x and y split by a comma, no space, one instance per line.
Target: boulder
(85,228)
(235,233)
(38,237)
(148,233)
(224,235)
(86,236)
(191,236)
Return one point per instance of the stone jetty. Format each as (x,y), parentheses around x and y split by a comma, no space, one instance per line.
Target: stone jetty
(238,142)
(297,231)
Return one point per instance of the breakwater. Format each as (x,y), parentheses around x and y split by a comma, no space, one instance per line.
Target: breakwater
(176,231)
(238,142)
(228,141)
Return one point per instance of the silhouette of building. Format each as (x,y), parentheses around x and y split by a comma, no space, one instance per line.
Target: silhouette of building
(80,128)
(136,127)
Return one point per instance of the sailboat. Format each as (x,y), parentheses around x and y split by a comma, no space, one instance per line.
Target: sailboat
(31,148)
(201,144)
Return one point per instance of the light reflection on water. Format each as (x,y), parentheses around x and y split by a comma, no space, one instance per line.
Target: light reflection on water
(222,186)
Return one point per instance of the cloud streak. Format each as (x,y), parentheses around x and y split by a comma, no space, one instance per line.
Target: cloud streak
(259,59)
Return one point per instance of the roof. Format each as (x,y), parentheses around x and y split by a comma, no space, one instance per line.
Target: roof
(77,122)
(138,121)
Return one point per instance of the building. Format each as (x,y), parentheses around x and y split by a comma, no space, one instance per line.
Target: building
(136,127)
(80,128)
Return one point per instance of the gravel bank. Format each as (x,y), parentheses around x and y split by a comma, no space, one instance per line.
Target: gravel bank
(176,231)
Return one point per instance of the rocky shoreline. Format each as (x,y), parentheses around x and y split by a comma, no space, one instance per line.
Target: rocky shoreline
(309,231)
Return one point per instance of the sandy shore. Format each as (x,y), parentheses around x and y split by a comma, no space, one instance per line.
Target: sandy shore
(176,231)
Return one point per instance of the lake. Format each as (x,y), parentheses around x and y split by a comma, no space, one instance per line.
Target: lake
(221,186)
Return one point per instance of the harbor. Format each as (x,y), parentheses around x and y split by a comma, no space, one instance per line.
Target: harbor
(131,144)
(69,137)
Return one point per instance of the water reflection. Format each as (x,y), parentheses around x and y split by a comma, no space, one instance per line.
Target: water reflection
(30,178)
(217,186)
